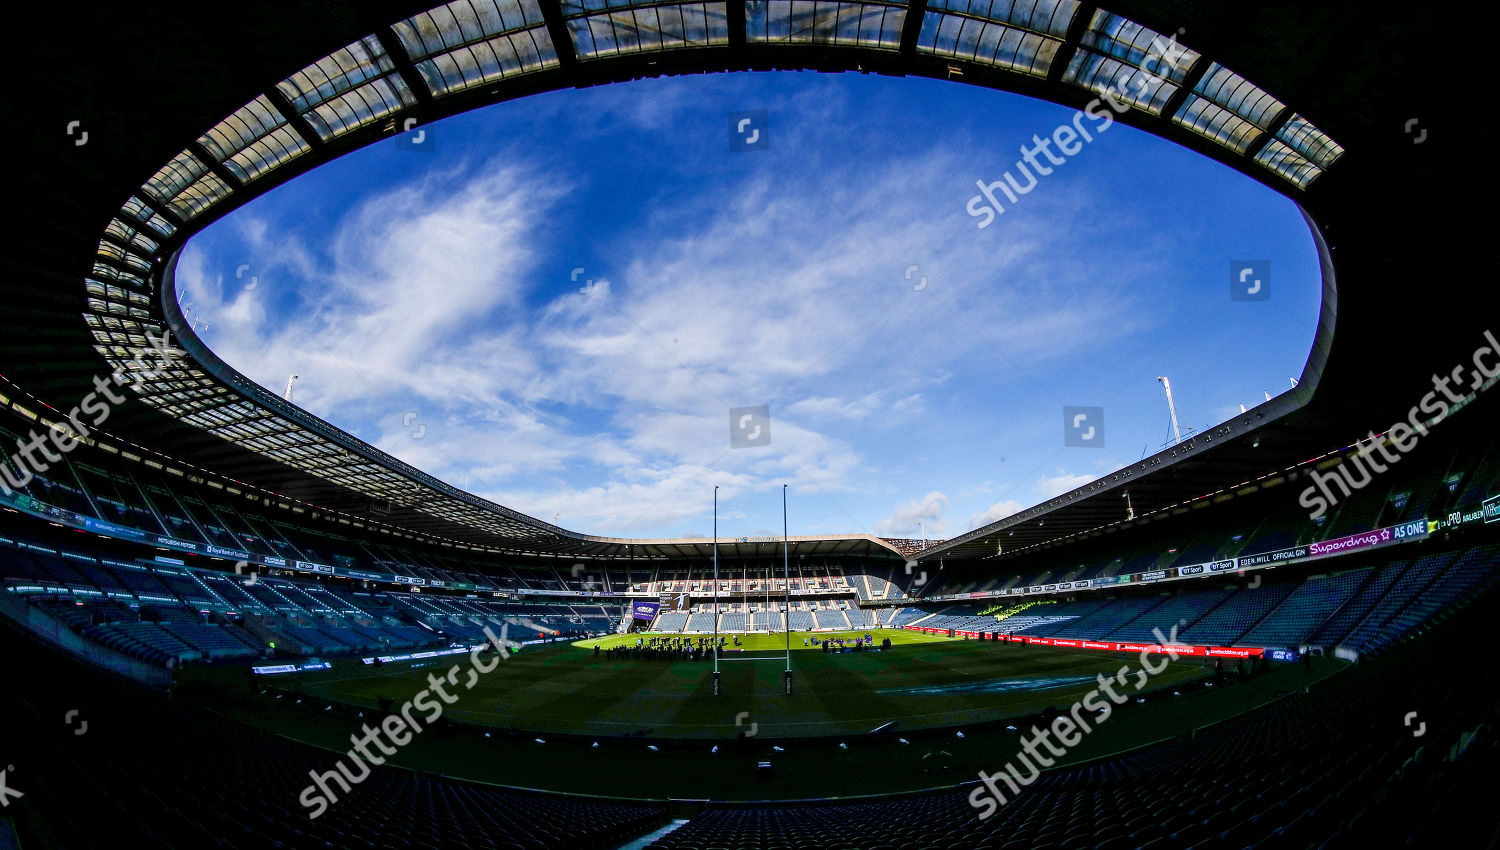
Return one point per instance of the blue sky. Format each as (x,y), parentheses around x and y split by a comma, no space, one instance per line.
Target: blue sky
(430,302)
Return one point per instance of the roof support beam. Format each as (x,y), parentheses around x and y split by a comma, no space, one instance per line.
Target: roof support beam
(911,30)
(557,30)
(734,19)
(1076,28)
(1271,130)
(409,73)
(295,119)
(1189,82)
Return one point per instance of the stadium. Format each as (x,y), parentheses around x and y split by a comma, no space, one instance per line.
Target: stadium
(233,623)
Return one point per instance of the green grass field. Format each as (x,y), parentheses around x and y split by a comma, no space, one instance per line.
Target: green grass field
(924,681)
(773,642)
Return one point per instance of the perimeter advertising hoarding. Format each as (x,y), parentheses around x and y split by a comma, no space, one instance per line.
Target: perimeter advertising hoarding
(1079,643)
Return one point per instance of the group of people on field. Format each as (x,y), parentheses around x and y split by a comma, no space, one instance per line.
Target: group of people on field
(664,648)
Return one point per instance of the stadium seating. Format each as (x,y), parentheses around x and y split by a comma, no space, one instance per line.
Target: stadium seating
(1236,615)
(1313,602)
(1180,611)
(671,621)
(830,619)
(1109,617)
(1295,773)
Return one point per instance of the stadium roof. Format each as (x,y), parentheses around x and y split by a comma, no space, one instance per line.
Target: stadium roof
(128,157)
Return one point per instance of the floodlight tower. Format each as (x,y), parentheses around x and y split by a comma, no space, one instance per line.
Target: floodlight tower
(718,680)
(786,565)
(1172,408)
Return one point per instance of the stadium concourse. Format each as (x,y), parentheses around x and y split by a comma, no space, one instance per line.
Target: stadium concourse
(184,569)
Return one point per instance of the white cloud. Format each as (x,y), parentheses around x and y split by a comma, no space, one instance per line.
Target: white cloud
(903,521)
(1062,482)
(996,512)
(439,296)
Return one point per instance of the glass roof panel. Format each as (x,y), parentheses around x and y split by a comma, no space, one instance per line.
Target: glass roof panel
(650,28)
(354,109)
(111,251)
(142,242)
(247,124)
(497,58)
(269,151)
(175,176)
(118,229)
(987,43)
(200,196)
(1238,95)
(1212,121)
(1142,90)
(1046,17)
(1288,163)
(465,22)
(869,24)
(136,210)
(336,73)
(1303,137)
(1133,44)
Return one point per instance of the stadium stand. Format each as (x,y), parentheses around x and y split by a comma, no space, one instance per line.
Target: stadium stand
(209,459)
(1236,615)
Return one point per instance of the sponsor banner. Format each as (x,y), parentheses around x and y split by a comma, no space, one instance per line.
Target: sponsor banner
(231,554)
(1195,570)
(1458,518)
(1153,648)
(1048,588)
(174,543)
(1370,539)
(1221,566)
(272,561)
(1281,655)
(1492,509)
(1064,585)
(1083,582)
(1154,575)
(1100,580)
(1232,651)
(291,668)
(416,656)
(1036,588)
(1183,650)
(645,610)
(308,566)
(109,529)
(1277,557)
